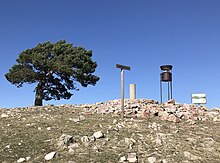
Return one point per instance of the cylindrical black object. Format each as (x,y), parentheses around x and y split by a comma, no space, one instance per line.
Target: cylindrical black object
(166,76)
(166,67)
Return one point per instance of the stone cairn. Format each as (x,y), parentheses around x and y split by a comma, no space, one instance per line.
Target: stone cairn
(170,110)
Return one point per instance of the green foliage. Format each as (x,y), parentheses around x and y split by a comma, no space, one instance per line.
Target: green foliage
(55,67)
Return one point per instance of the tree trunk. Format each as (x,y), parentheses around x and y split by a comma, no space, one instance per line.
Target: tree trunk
(39,95)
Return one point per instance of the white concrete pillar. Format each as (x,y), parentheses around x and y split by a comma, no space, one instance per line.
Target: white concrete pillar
(132,91)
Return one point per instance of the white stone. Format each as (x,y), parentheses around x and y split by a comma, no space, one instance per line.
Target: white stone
(75,119)
(4,115)
(132,157)
(122,159)
(48,128)
(85,139)
(164,161)
(7,146)
(216,119)
(21,160)
(151,159)
(190,156)
(98,134)
(115,121)
(81,117)
(65,140)
(72,147)
(50,156)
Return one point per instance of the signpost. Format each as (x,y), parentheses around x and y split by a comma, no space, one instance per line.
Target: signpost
(199,98)
(122,67)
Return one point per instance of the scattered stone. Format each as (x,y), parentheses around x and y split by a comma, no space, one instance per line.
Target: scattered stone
(81,117)
(190,156)
(122,159)
(98,135)
(151,159)
(216,119)
(171,101)
(75,119)
(65,140)
(73,146)
(115,121)
(21,160)
(132,157)
(48,128)
(84,139)
(164,161)
(4,115)
(50,156)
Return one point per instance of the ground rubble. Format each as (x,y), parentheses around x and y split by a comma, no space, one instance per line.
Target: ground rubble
(170,111)
(150,132)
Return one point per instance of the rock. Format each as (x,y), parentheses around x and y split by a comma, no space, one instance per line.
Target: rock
(215,109)
(122,159)
(115,121)
(48,128)
(216,119)
(98,135)
(75,119)
(192,140)
(84,139)
(4,115)
(173,118)
(151,159)
(65,140)
(190,156)
(164,161)
(50,156)
(73,146)
(208,142)
(160,139)
(132,157)
(81,117)
(21,160)
(171,101)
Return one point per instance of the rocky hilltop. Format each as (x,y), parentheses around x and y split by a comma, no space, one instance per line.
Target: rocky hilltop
(150,132)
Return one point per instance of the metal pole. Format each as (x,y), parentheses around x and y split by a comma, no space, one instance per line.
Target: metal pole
(168,90)
(161,98)
(171,89)
(122,93)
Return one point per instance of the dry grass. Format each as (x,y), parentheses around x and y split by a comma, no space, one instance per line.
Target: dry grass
(34,133)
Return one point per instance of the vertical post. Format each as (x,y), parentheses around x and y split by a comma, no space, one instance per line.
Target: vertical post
(161,94)
(168,90)
(132,91)
(122,93)
(171,90)
(122,67)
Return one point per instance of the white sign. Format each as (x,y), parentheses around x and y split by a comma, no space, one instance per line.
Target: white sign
(199,98)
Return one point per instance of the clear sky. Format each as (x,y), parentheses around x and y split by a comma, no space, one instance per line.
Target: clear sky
(143,34)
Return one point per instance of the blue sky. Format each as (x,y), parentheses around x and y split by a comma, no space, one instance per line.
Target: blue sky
(143,34)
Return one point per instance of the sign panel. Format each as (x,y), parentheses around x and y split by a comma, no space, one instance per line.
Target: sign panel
(123,67)
(199,98)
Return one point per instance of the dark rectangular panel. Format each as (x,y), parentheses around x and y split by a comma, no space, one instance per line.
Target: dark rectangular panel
(123,67)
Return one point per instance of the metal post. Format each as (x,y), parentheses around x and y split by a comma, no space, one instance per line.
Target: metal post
(122,93)
(122,67)
(171,90)
(168,83)
(161,94)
